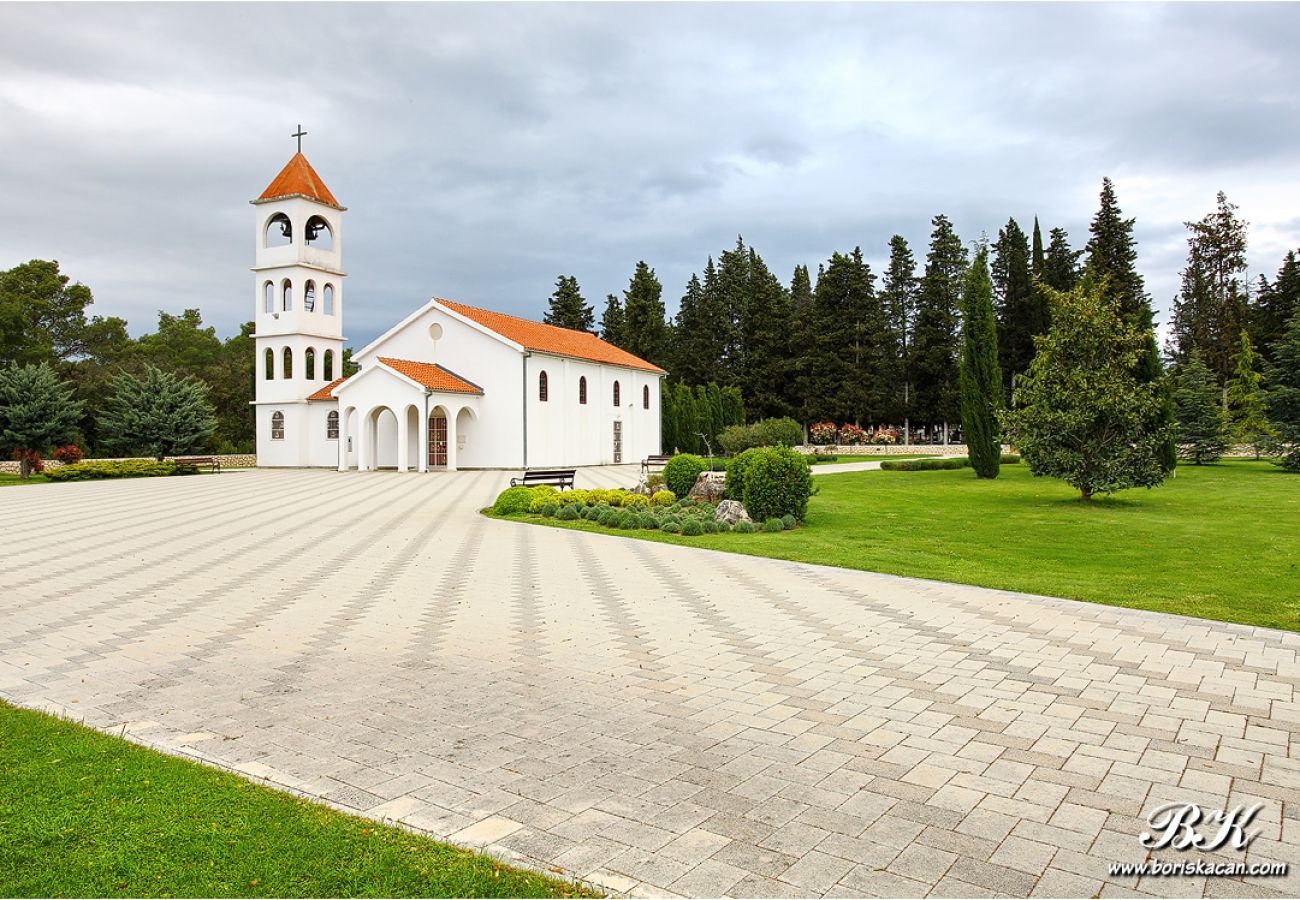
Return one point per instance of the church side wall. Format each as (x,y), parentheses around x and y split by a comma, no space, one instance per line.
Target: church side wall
(564,432)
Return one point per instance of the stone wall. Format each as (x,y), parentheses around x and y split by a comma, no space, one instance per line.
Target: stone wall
(884,449)
(228,461)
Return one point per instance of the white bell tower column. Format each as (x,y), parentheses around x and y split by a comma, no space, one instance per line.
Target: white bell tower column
(298,304)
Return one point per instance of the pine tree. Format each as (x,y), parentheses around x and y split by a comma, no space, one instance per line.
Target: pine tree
(1014,293)
(693,357)
(1284,393)
(37,412)
(801,333)
(156,414)
(766,317)
(980,380)
(667,418)
(1112,254)
(1275,305)
(1060,263)
(845,377)
(568,309)
(1211,307)
(1080,414)
(612,323)
(1247,402)
(933,357)
(733,407)
(898,296)
(645,331)
(1202,426)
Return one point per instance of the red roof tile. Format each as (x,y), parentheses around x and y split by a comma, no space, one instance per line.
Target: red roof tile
(298,179)
(431,375)
(327,392)
(551,338)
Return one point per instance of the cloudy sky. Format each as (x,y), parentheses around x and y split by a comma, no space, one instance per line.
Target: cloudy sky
(483,149)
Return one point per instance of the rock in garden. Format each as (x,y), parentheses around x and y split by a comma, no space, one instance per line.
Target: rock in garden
(709,486)
(731,512)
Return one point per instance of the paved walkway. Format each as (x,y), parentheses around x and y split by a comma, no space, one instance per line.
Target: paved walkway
(651,717)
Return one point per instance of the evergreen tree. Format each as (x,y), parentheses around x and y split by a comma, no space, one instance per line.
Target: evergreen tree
(1080,413)
(1060,264)
(686,425)
(694,357)
(1015,298)
(1247,403)
(37,412)
(898,295)
(801,332)
(1211,307)
(156,414)
(612,321)
(851,368)
(733,407)
(1112,254)
(567,307)
(933,357)
(766,317)
(646,331)
(1202,426)
(716,416)
(980,381)
(667,418)
(42,316)
(1275,305)
(1284,393)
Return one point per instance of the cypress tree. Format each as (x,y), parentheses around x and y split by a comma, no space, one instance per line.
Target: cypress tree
(645,330)
(1202,427)
(1014,293)
(846,359)
(612,321)
(37,411)
(801,304)
(667,418)
(716,416)
(1247,403)
(567,307)
(1039,318)
(766,316)
(1060,266)
(693,357)
(933,356)
(981,383)
(733,407)
(898,296)
(1211,308)
(687,419)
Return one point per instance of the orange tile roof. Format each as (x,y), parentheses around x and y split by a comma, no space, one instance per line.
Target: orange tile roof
(551,338)
(327,392)
(298,179)
(431,375)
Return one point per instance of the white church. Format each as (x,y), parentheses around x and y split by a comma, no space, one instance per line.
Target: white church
(449,387)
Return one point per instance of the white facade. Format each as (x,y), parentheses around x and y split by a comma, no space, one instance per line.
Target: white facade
(439,391)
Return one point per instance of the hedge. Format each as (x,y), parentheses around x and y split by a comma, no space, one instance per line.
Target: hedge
(127,468)
(928,465)
(766,433)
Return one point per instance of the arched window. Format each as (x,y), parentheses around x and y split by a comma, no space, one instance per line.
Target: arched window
(277,426)
(309,364)
(332,425)
(279,231)
(288,363)
(616,403)
(268,297)
(329,299)
(542,387)
(270,364)
(286,295)
(309,296)
(582,389)
(645,397)
(327,366)
(318,234)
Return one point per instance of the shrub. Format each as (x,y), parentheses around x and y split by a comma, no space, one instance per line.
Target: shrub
(635,501)
(852,434)
(654,483)
(577,497)
(127,468)
(69,454)
(777,481)
(723,527)
(541,495)
(773,525)
(766,433)
(743,527)
(710,526)
(924,465)
(663,498)
(815,458)
(736,474)
(566,513)
(647,521)
(31,458)
(1010,459)
(789,521)
(692,527)
(513,501)
(681,472)
(550,510)
(588,512)
(671,526)
(823,432)
(608,518)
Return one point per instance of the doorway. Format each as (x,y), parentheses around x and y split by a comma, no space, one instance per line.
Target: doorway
(438,441)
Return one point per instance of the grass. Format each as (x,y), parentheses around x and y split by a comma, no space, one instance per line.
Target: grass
(1221,542)
(85,814)
(10,479)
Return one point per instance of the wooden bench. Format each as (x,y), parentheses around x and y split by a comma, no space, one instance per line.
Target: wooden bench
(199,461)
(657,461)
(560,478)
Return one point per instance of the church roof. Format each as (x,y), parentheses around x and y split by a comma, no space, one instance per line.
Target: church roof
(431,375)
(551,338)
(298,179)
(327,392)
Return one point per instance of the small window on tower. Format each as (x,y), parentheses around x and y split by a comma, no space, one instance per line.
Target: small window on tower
(329,299)
(286,295)
(328,365)
(277,426)
(288,363)
(309,296)
(318,234)
(332,426)
(279,231)
(309,364)
(270,364)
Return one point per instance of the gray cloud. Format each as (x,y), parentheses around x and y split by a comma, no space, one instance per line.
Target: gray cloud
(484,149)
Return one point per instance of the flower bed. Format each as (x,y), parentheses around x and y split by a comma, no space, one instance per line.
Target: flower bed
(626,511)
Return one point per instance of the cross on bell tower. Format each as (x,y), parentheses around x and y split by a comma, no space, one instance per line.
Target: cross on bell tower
(299,135)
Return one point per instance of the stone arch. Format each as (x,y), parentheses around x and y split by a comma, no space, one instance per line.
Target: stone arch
(319,234)
(278,231)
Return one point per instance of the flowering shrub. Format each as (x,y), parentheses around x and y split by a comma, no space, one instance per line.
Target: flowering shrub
(852,434)
(885,436)
(70,454)
(31,458)
(823,432)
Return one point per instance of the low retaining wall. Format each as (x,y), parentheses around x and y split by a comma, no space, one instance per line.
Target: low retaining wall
(227,461)
(883,449)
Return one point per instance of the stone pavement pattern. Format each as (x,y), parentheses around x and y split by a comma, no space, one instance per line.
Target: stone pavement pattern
(657,719)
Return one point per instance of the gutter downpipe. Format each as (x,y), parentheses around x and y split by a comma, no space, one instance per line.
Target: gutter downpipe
(524,372)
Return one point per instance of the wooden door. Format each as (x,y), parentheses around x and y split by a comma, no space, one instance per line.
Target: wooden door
(438,441)
(618,442)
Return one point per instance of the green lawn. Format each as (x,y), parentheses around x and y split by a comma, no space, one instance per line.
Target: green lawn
(9,479)
(84,814)
(1221,541)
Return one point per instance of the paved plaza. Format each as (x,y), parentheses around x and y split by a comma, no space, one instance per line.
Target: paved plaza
(656,719)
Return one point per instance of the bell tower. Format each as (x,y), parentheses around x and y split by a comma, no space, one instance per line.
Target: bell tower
(298,305)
